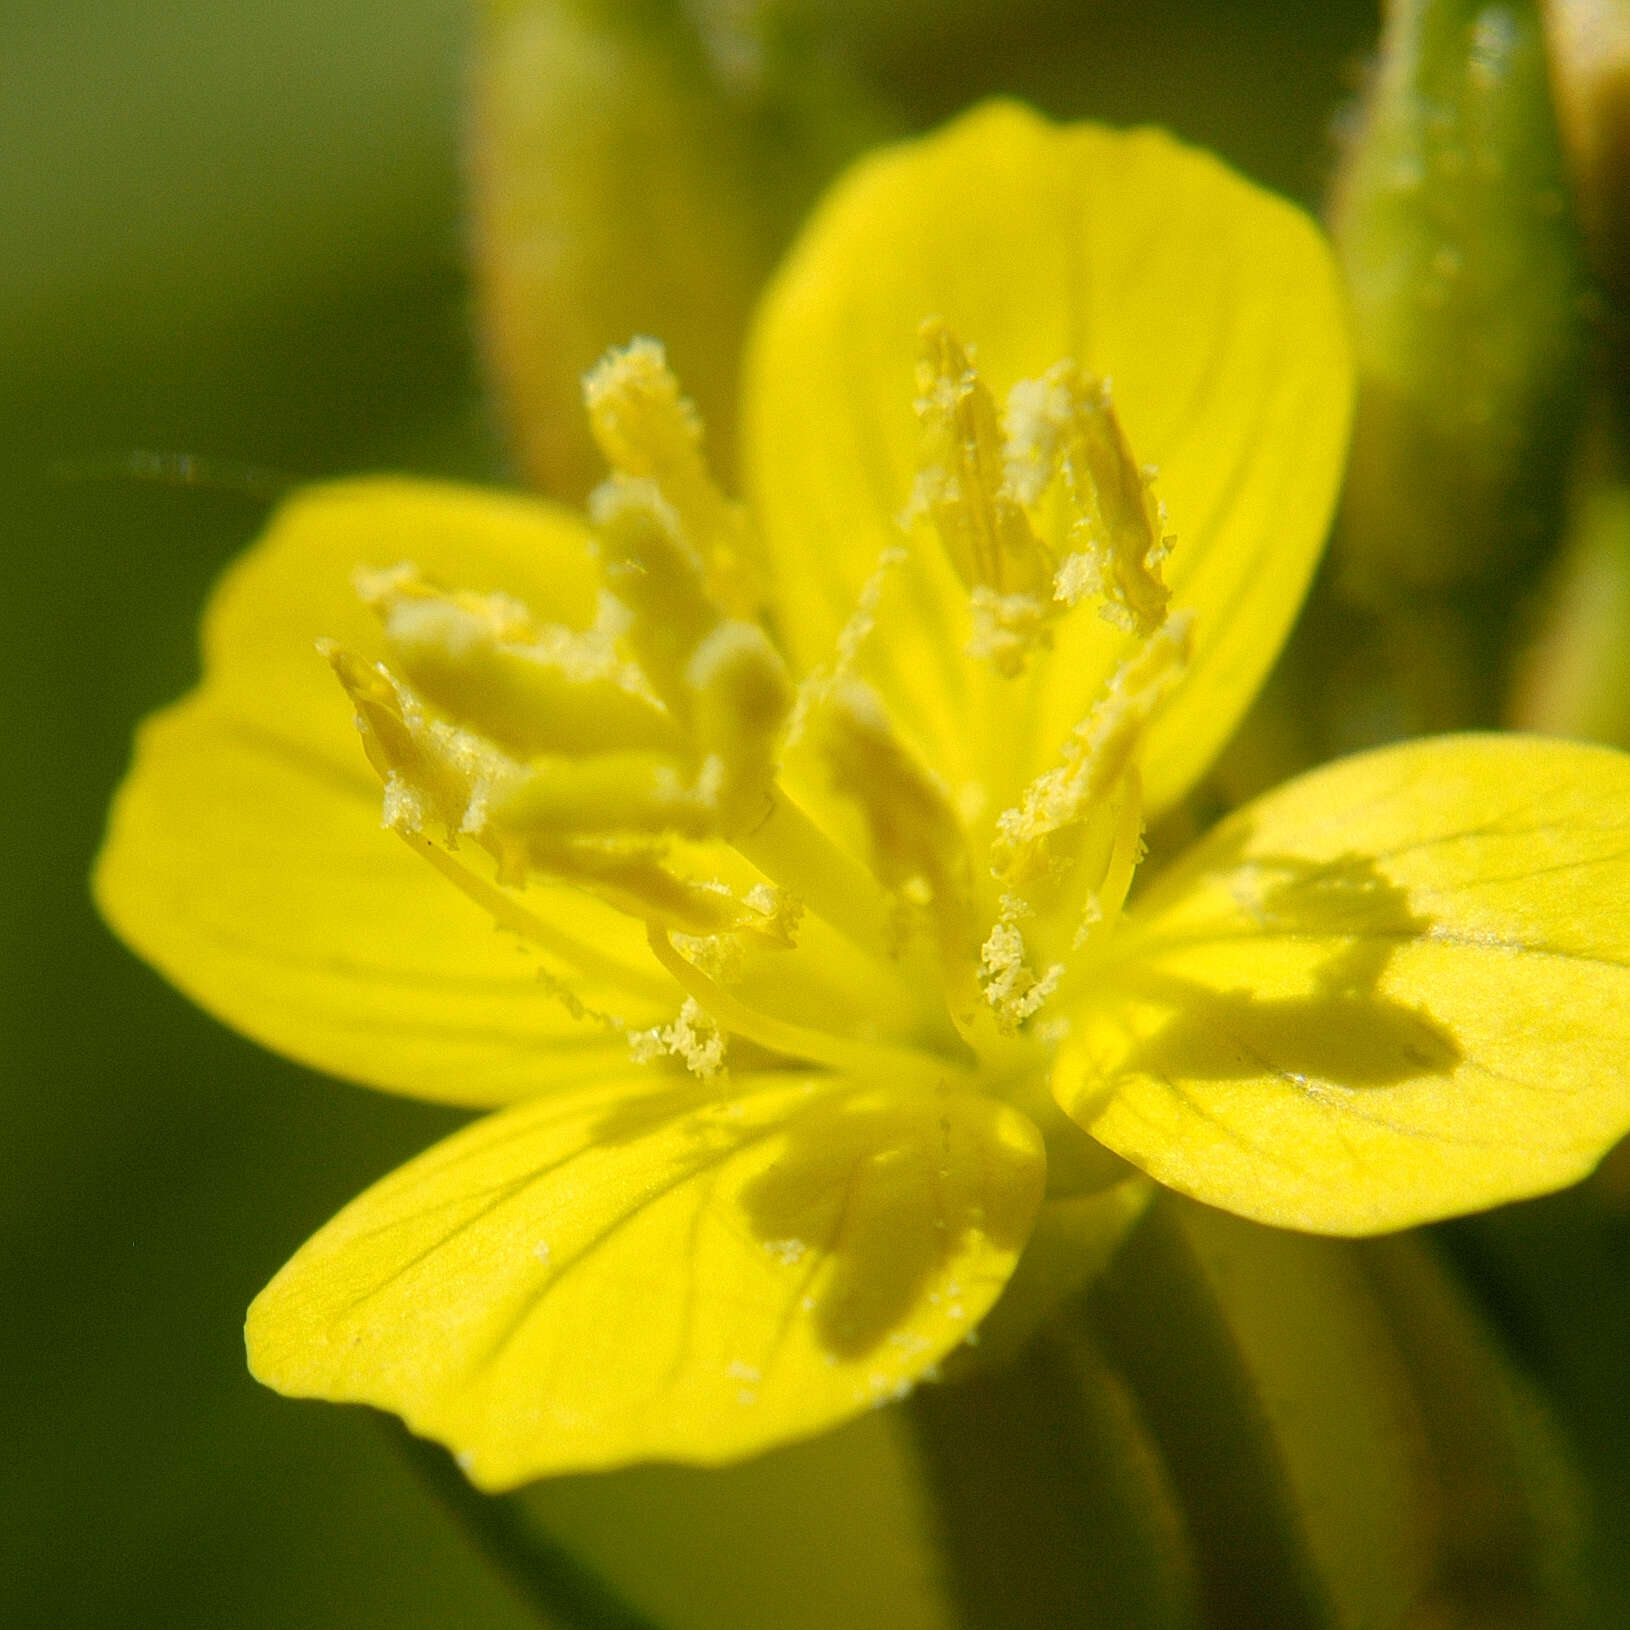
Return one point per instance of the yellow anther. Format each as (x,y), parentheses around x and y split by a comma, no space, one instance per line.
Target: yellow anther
(1013,989)
(636,878)
(605,793)
(656,575)
(1047,828)
(649,430)
(481,661)
(693,1038)
(597,821)
(1067,419)
(434,773)
(1009,628)
(1113,732)
(724,684)
(630,758)
(1066,854)
(960,475)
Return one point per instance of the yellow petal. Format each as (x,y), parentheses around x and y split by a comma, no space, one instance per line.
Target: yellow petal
(1393,990)
(1211,306)
(649,1269)
(255,875)
(245,856)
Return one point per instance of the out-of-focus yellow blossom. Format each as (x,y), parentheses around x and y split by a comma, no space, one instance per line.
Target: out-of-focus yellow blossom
(807,825)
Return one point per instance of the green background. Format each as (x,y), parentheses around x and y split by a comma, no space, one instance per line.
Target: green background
(232,234)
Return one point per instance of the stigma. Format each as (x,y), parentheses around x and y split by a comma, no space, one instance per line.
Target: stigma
(812,886)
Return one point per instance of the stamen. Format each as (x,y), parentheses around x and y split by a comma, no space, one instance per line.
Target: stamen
(602,794)
(514,918)
(978,483)
(482,661)
(1013,990)
(647,428)
(693,1038)
(1067,419)
(656,574)
(847,648)
(918,846)
(789,847)
(1067,852)
(583,821)
(433,772)
(1113,732)
(621,758)
(720,677)
(959,483)
(636,880)
(743,697)
(1008,628)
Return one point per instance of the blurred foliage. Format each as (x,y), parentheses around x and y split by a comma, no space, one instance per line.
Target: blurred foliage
(235,239)
(231,233)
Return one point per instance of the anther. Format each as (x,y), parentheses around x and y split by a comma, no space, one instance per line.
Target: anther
(1067,420)
(1065,855)
(960,485)
(648,429)
(481,661)
(1098,760)
(722,681)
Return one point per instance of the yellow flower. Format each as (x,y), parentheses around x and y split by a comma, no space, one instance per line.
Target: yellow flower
(807,824)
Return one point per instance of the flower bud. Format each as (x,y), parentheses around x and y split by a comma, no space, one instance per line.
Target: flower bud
(636,170)
(1589,44)
(1453,223)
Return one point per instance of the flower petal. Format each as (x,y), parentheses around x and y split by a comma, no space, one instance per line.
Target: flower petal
(650,1269)
(245,856)
(254,874)
(1211,305)
(1394,990)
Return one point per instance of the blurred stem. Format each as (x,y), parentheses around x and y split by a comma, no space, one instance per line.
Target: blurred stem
(1574,677)
(543,1574)
(1242,1426)
(1052,1503)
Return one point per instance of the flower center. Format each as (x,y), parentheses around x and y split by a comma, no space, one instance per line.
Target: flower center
(810,886)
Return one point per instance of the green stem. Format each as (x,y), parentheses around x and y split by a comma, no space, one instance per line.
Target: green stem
(546,1576)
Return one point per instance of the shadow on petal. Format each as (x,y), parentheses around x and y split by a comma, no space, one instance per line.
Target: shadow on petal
(1346,920)
(892,1188)
(882,1190)
(1347,1040)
